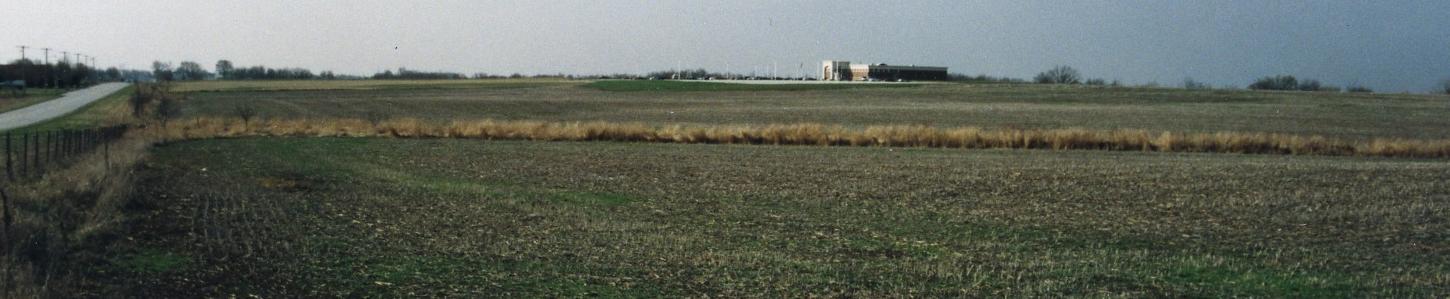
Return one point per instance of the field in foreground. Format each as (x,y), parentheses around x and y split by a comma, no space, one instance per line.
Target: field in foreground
(1013,106)
(289,217)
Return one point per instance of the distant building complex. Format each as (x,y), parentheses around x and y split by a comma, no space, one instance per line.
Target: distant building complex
(832,70)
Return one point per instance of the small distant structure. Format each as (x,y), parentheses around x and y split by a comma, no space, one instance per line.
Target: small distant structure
(836,70)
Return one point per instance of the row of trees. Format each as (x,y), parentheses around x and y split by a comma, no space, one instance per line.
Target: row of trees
(1288,82)
(1068,75)
(404,73)
(188,70)
(57,75)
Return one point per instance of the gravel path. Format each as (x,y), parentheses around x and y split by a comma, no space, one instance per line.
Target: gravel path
(57,107)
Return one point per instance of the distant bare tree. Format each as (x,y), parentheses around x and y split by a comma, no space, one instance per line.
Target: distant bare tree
(1189,83)
(1284,82)
(190,70)
(162,71)
(224,68)
(1061,74)
(168,107)
(1310,85)
(246,112)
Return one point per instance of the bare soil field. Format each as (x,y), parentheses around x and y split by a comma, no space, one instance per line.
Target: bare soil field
(1013,106)
(339,217)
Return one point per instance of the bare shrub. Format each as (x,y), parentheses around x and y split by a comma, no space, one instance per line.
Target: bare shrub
(1061,74)
(1356,88)
(1283,82)
(1189,83)
(245,112)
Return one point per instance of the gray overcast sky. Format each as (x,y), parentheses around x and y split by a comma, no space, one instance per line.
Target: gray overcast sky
(1388,45)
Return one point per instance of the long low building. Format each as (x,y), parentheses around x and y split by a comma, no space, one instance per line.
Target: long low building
(833,70)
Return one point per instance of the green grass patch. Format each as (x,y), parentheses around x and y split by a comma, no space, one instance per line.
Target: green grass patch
(151,261)
(593,198)
(668,85)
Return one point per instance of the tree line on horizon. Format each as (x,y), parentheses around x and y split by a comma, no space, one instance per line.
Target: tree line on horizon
(1061,74)
(1067,75)
(56,75)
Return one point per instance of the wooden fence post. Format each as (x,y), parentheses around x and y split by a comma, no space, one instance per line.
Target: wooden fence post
(5,230)
(35,160)
(39,153)
(25,153)
(9,163)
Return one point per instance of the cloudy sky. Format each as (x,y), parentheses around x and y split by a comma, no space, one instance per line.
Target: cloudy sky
(1387,45)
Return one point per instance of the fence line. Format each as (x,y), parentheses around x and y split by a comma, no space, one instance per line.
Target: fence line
(33,153)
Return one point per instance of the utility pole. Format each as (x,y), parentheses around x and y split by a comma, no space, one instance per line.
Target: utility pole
(64,56)
(22,52)
(47,55)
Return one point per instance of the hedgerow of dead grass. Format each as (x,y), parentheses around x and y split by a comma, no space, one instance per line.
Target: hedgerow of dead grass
(822,135)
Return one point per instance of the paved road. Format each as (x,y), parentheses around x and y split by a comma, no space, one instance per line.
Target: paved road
(57,107)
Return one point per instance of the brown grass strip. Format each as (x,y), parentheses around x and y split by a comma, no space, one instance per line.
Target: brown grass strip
(822,135)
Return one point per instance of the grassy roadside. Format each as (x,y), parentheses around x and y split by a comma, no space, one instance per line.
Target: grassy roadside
(33,96)
(110,110)
(57,222)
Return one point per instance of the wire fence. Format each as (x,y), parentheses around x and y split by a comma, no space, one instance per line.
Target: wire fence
(31,154)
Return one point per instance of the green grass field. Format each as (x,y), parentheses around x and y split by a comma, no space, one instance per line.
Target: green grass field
(328,217)
(32,96)
(942,105)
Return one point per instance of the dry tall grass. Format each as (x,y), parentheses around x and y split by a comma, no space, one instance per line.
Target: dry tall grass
(58,214)
(818,134)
